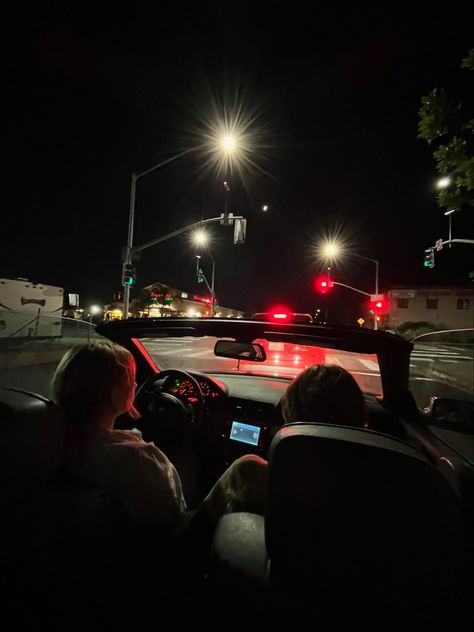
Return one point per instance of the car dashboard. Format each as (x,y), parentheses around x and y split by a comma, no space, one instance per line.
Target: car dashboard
(242,412)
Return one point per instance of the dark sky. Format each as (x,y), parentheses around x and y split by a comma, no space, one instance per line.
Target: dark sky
(332,93)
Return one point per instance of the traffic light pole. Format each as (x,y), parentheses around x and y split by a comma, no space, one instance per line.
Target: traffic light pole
(211,289)
(131,218)
(131,250)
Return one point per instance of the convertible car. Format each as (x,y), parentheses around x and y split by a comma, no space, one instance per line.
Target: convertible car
(364,526)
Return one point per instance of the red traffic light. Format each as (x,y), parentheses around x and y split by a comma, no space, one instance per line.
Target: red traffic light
(323,284)
(378,306)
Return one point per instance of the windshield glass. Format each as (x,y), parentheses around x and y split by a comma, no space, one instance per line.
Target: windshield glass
(284,359)
(441,365)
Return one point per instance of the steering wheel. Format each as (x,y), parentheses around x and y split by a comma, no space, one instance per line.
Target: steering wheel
(167,420)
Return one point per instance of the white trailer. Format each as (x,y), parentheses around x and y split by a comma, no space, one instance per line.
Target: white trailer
(30,310)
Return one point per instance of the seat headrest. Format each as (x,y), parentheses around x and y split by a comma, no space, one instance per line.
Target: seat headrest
(351,497)
(32,434)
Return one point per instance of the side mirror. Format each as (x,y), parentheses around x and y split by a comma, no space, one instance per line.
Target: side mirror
(458,412)
(240,350)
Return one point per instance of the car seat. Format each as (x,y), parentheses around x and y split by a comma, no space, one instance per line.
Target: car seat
(359,528)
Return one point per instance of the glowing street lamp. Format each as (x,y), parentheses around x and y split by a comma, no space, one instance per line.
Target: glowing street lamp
(332,249)
(444,183)
(228,143)
(222,149)
(200,238)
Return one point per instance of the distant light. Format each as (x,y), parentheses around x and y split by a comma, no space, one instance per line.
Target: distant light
(95,309)
(265,207)
(443,183)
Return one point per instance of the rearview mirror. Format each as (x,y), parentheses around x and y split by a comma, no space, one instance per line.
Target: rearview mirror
(240,350)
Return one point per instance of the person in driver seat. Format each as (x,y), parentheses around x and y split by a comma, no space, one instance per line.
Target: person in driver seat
(325,393)
(93,385)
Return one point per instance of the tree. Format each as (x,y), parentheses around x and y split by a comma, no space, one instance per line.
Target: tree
(444,123)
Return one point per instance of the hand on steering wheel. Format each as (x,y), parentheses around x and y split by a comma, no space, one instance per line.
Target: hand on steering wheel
(166,418)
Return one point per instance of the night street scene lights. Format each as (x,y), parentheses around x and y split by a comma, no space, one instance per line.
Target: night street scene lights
(223,149)
(330,250)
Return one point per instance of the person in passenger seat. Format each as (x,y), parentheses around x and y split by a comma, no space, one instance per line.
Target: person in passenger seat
(325,393)
(93,385)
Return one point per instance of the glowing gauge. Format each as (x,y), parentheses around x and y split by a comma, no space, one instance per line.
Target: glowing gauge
(183,388)
(206,390)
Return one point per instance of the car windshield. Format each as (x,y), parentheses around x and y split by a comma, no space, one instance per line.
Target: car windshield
(283,359)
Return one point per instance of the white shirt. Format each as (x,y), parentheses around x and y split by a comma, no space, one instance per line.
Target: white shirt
(138,474)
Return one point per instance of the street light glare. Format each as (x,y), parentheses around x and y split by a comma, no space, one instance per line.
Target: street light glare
(95,309)
(443,183)
(200,237)
(331,250)
(228,142)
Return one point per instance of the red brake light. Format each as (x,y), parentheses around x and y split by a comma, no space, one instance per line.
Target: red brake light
(280,316)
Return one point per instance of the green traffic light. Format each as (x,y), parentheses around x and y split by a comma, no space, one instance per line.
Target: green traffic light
(427,264)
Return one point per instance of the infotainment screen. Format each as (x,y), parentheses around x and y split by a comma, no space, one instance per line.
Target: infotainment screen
(244,433)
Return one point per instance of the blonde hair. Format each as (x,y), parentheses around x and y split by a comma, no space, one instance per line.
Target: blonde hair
(86,377)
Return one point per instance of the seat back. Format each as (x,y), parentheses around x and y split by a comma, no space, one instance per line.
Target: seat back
(62,542)
(355,517)
(32,433)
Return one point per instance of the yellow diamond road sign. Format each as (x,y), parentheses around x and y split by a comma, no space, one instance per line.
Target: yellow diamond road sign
(361,321)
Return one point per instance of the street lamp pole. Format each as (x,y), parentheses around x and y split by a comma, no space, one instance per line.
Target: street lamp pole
(213,293)
(131,219)
(355,254)
(210,287)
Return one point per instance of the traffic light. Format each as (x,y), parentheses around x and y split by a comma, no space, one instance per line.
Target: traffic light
(323,284)
(429,258)
(377,307)
(200,276)
(129,274)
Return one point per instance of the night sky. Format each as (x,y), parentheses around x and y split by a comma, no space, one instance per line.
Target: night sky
(90,96)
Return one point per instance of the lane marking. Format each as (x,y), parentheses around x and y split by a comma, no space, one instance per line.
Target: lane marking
(370,364)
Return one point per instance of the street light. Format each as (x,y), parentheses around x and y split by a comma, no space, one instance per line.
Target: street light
(331,250)
(227,145)
(444,183)
(450,213)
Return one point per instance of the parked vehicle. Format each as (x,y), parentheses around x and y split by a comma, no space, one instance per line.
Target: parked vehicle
(30,310)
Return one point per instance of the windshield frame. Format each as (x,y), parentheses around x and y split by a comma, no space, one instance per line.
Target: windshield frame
(393,352)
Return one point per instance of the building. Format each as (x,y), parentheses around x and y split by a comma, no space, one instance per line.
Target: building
(159,300)
(448,307)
